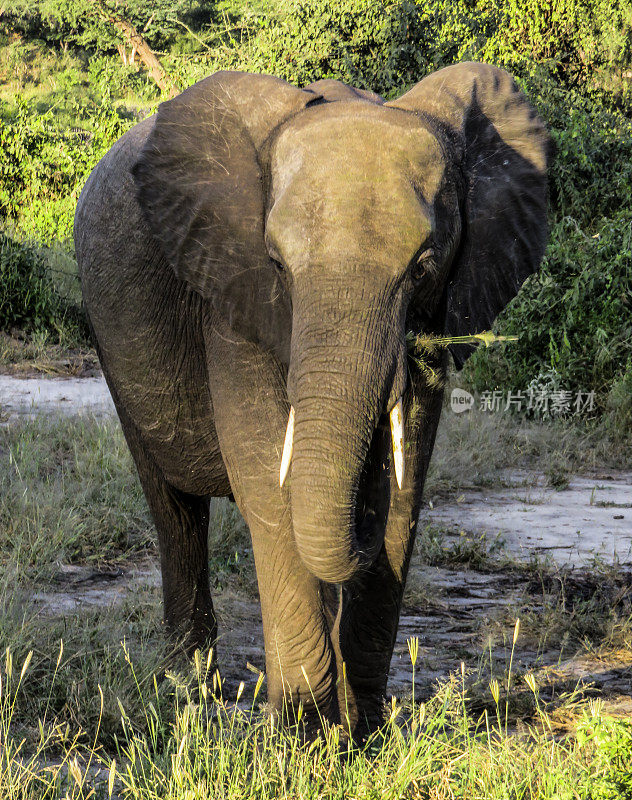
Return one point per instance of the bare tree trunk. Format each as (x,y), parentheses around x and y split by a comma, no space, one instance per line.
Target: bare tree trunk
(139,45)
(155,68)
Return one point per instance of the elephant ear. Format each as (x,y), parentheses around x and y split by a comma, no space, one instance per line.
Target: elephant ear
(200,184)
(503,150)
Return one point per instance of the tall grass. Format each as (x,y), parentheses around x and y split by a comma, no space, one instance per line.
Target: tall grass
(210,748)
(68,492)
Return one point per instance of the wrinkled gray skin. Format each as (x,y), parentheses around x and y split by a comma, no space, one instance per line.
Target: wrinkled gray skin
(255,245)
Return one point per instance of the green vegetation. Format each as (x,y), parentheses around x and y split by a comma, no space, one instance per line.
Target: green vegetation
(94,700)
(29,299)
(214,749)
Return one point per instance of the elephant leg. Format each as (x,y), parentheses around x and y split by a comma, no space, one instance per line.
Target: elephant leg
(251,413)
(182,521)
(365,629)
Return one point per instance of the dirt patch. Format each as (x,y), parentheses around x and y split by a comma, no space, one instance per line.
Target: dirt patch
(29,357)
(590,519)
(75,587)
(27,397)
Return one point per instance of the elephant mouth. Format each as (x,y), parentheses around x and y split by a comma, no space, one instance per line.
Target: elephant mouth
(372,500)
(396,424)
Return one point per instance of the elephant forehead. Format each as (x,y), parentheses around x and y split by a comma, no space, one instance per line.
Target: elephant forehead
(353,187)
(347,147)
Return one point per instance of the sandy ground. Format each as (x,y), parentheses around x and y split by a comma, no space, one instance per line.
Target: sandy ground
(23,397)
(591,518)
(451,610)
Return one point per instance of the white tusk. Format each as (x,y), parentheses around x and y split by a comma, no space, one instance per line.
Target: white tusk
(397,435)
(286,458)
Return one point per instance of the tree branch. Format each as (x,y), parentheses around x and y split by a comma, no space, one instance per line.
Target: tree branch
(138,43)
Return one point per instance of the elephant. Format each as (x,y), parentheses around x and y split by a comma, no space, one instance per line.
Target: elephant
(252,259)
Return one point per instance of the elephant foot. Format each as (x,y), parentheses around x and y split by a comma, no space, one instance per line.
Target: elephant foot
(363,716)
(196,630)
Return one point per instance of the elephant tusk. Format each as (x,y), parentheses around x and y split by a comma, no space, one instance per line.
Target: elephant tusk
(397,434)
(286,458)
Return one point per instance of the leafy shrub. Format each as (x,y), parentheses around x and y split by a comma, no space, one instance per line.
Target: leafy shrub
(42,169)
(619,403)
(592,169)
(382,46)
(27,296)
(574,316)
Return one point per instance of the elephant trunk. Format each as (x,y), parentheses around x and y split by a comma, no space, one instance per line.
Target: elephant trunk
(351,370)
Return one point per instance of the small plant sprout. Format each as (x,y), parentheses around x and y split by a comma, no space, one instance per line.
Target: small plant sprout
(516,633)
(75,771)
(395,709)
(258,685)
(111,777)
(529,679)
(61,653)
(595,707)
(25,666)
(413,650)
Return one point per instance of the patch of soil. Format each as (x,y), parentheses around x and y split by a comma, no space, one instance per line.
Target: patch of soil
(76,587)
(21,356)
(27,397)
(589,519)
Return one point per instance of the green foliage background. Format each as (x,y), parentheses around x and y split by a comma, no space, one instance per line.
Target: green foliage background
(60,71)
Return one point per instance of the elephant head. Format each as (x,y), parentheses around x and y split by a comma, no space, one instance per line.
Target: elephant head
(323,224)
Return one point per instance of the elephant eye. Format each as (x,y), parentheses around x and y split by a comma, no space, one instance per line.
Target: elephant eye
(278,265)
(422,263)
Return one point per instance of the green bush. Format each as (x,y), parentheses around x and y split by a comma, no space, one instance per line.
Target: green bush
(42,169)
(29,299)
(381,45)
(619,403)
(573,317)
(591,173)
